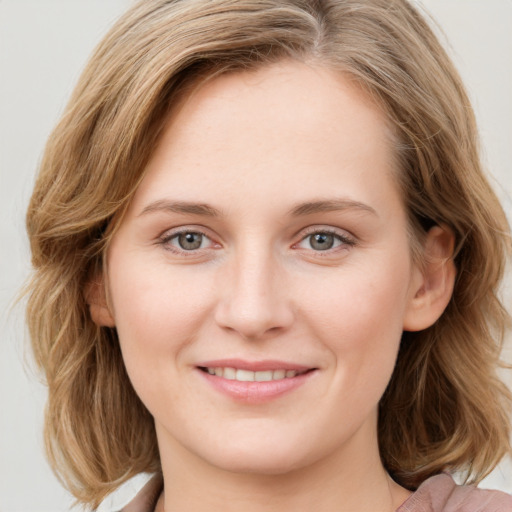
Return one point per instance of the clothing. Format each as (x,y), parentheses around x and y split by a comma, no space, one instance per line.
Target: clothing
(437,494)
(136,495)
(440,494)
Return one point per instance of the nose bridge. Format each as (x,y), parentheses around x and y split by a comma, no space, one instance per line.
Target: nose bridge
(254,299)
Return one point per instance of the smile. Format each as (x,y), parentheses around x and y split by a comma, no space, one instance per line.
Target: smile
(251,376)
(254,382)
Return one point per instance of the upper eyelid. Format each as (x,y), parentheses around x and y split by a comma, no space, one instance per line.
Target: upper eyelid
(299,235)
(347,239)
(165,242)
(343,233)
(171,232)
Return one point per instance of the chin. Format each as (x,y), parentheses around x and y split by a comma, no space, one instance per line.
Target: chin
(262,466)
(262,458)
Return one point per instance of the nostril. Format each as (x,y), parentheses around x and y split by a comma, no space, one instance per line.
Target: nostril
(252,323)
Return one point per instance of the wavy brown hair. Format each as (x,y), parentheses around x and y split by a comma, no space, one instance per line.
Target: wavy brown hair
(445,408)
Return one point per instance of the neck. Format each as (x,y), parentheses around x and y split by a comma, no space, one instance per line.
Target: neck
(354,481)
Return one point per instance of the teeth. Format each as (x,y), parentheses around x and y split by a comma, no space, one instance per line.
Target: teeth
(244,375)
(279,374)
(229,373)
(248,376)
(263,376)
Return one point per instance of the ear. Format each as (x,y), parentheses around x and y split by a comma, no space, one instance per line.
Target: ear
(432,283)
(95,297)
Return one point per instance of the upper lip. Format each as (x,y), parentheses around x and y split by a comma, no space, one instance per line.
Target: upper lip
(255,366)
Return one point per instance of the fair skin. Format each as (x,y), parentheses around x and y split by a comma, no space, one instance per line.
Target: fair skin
(269,233)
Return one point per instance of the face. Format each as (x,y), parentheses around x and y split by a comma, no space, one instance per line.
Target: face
(262,277)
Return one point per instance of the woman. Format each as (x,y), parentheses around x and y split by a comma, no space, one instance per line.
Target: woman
(267,264)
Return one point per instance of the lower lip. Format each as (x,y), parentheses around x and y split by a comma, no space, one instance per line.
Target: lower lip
(254,392)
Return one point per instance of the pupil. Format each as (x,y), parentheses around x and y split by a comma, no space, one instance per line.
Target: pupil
(322,241)
(190,241)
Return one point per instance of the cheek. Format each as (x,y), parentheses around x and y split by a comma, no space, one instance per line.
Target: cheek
(359,317)
(360,299)
(157,313)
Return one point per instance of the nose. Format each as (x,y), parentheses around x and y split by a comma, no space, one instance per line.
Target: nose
(254,297)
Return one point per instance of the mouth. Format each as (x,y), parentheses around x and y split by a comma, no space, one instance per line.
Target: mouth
(255,382)
(242,375)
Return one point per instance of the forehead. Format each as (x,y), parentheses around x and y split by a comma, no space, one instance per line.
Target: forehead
(291,125)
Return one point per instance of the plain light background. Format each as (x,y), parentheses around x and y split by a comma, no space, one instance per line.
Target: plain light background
(43,46)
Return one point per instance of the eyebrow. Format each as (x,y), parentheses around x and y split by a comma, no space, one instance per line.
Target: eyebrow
(181,207)
(303,209)
(330,205)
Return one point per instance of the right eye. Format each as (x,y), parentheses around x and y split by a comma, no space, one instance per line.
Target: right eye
(189,241)
(186,241)
(322,241)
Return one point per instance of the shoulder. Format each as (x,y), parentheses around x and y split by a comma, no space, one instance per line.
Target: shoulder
(440,494)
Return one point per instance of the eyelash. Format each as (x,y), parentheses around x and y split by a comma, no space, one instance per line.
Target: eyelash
(345,241)
(166,238)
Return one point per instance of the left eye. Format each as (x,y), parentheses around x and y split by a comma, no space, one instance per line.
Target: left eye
(323,241)
(188,240)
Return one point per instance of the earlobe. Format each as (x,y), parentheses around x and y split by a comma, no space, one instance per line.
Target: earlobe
(95,297)
(433,282)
